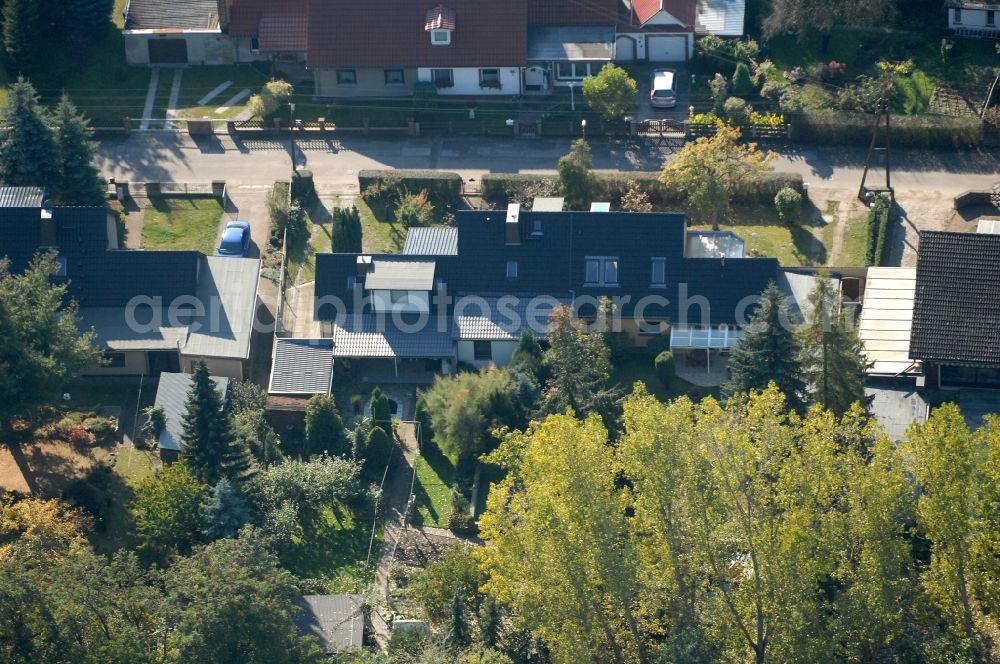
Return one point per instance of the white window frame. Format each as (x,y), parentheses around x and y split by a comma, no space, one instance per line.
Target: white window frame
(602,264)
(440,37)
(491,82)
(578,75)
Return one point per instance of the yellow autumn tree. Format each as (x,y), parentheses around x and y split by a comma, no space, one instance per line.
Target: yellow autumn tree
(710,170)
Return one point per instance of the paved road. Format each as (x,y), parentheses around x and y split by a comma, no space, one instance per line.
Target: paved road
(163,156)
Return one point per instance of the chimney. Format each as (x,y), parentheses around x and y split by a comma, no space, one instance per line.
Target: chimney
(364,264)
(47,227)
(513,226)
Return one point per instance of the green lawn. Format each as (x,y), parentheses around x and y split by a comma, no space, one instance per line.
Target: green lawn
(854,249)
(379,237)
(135,465)
(199,81)
(637,366)
(335,548)
(302,255)
(766,235)
(435,477)
(182,223)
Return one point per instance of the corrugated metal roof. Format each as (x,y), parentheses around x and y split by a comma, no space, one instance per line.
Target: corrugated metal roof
(571,43)
(432,241)
(887,319)
(336,620)
(172,15)
(723,18)
(227,290)
(302,366)
(502,318)
(21,197)
(371,335)
(171,396)
(401,275)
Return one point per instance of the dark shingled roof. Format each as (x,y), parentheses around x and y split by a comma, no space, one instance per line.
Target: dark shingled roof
(172,15)
(555,263)
(336,620)
(956,309)
(245,18)
(567,12)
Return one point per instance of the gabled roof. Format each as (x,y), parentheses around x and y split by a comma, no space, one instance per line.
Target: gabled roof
(336,620)
(171,396)
(21,197)
(283,34)
(375,336)
(568,12)
(440,18)
(302,366)
(956,310)
(390,33)
(245,15)
(503,318)
(431,241)
(172,15)
(684,11)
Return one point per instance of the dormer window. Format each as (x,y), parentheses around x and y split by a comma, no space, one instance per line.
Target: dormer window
(440,22)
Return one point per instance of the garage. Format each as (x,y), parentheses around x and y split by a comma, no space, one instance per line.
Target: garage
(666,48)
(624,49)
(168,52)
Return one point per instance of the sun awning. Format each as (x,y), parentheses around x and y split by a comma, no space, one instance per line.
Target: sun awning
(887,319)
(712,338)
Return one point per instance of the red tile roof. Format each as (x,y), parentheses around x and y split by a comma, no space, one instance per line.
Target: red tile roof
(683,10)
(440,18)
(390,33)
(283,34)
(573,12)
(245,15)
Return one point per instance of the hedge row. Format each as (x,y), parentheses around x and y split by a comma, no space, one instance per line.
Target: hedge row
(441,186)
(499,189)
(878,230)
(917,131)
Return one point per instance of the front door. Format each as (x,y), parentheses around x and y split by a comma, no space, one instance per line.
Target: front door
(535,79)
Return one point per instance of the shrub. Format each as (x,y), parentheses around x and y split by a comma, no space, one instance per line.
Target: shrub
(278,207)
(415,210)
(746,49)
(635,199)
(742,85)
(919,131)
(499,189)
(787,203)
(346,231)
(720,93)
(737,111)
(462,523)
(156,422)
(612,92)
(101,427)
(271,100)
(665,367)
(878,229)
(767,119)
(442,188)
(378,450)
(657,345)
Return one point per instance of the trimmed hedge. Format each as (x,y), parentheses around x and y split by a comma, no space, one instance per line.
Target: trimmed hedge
(501,188)
(917,131)
(878,230)
(441,186)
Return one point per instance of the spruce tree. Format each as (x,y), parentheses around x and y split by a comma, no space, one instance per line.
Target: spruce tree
(832,358)
(78,182)
(324,428)
(86,21)
(28,151)
(458,627)
(381,412)
(346,231)
(768,352)
(206,442)
(22,35)
(224,511)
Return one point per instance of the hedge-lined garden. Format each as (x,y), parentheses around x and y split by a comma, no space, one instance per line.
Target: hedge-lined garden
(878,230)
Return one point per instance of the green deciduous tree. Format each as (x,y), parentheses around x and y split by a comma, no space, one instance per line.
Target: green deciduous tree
(769,352)
(346,231)
(456,574)
(41,344)
(29,156)
(271,101)
(306,486)
(832,357)
(575,179)
(324,429)
(78,181)
(207,445)
(612,92)
(710,170)
(557,521)
(166,508)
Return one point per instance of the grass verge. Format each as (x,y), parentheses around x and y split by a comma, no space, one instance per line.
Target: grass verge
(379,237)
(190,223)
(335,547)
(302,254)
(435,477)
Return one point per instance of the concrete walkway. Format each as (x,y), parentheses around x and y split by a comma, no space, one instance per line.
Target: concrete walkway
(147,109)
(175,95)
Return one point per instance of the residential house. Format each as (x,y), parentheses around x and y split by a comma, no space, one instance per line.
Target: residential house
(973,18)
(276,30)
(192,32)
(956,311)
(152,311)
(171,397)
(466,294)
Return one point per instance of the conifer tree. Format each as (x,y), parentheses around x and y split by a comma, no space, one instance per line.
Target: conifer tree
(768,352)
(224,511)
(28,151)
(381,412)
(346,231)
(324,427)
(78,181)
(206,442)
(22,34)
(378,450)
(833,361)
